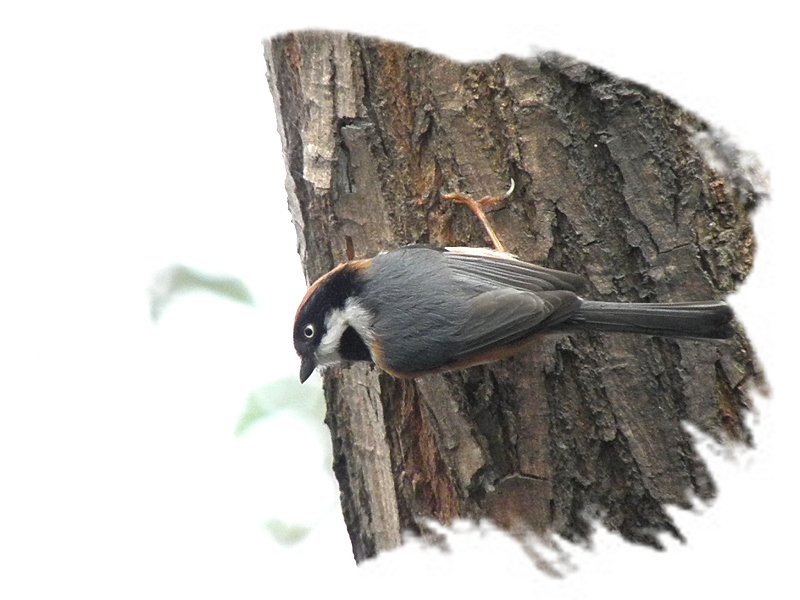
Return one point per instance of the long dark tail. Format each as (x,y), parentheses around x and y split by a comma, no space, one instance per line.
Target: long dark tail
(685,319)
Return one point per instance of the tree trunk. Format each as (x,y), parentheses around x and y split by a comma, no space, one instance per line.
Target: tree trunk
(614,182)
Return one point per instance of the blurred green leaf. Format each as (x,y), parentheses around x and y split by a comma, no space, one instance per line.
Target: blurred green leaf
(284,394)
(176,280)
(285,533)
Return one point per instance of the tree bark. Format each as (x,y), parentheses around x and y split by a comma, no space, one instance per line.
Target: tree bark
(614,182)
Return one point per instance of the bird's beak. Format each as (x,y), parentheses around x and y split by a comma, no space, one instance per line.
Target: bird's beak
(307,366)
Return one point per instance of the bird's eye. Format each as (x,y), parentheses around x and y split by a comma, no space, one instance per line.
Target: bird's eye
(309,331)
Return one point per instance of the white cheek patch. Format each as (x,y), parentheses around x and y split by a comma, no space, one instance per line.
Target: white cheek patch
(352,315)
(328,349)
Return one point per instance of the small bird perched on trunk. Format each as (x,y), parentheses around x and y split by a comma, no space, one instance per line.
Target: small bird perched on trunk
(419,310)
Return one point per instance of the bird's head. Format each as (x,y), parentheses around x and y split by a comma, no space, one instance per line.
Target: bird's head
(332,325)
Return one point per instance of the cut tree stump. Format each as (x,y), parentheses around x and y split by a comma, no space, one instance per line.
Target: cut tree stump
(614,182)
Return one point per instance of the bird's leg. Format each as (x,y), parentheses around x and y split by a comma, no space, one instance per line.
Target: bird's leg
(476,206)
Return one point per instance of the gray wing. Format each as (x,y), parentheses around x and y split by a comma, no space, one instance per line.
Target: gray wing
(504,270)
(517,300)
(506,317)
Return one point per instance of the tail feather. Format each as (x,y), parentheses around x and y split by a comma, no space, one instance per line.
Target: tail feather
(686,319)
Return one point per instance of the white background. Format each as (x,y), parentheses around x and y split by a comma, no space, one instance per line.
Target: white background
(135,135)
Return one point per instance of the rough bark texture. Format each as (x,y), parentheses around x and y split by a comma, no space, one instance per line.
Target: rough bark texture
(614,182)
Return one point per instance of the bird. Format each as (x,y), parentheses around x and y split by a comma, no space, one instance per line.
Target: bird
(419,310)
